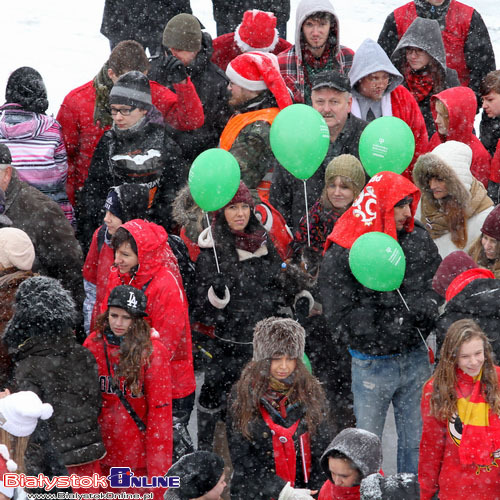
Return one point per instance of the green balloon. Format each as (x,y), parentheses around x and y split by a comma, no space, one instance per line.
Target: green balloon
(377,261)
(387,143)
(299,139)
(214,178)
(307,363)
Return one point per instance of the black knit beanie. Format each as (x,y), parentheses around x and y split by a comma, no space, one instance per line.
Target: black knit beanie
(26,88)
(132,89)
(199,472)
(128,201)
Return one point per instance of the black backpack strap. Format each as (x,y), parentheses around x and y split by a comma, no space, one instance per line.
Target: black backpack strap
(140,424)
(100,237)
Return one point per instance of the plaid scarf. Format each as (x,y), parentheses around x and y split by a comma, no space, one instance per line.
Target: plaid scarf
(250,242)
(420,83)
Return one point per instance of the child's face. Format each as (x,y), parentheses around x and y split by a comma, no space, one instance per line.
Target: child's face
(491,104)
(342,473)
(112,222)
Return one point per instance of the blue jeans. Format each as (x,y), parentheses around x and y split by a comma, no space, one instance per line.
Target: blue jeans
(377,382)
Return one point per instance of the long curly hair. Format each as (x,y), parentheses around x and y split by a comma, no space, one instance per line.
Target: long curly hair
(443,401)
(476,251)
(253,384)
(135,351)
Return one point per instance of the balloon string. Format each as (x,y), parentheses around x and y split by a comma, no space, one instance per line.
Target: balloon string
(213,241)
(429,350)
(307,216)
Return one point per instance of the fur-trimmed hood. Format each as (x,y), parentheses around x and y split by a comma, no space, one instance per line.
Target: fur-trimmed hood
(188,214)
(43,309)
(456,179)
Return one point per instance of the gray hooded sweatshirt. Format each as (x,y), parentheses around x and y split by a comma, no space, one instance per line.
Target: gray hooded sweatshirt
(370,58)
(426,35)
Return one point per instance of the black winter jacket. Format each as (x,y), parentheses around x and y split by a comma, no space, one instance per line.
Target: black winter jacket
(479,301)
(118,159)
(287,192)
(253,460)
(211,86)
(64,374)
(377,323)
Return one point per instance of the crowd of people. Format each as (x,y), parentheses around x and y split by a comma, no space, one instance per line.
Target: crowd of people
(119,294)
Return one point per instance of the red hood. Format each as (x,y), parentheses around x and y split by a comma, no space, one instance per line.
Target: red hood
(463,279)
(373,209)
(153,250)
(461,105)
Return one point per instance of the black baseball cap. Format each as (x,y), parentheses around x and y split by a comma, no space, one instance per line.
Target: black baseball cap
(131,299)
(331,79)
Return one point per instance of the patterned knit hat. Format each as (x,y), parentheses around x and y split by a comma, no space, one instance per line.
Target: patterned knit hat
(16,249)
(19,413)
(132,89)
(257,71)
(257,31)
(26,88)
(347,166)
(278,336)
(183,32)
(491,225)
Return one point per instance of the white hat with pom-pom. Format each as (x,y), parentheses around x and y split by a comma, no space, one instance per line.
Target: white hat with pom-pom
(19,412)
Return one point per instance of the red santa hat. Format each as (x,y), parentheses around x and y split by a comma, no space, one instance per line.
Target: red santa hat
(258,71)
(257,31)
(6,464)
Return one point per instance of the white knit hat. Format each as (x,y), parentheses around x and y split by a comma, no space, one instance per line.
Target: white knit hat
(16,249)
(19,412)
(258,71)
(257,31)
(458,156)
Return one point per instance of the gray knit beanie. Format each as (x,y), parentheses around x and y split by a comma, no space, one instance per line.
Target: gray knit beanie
(183,32)
(132,89)
(278,336)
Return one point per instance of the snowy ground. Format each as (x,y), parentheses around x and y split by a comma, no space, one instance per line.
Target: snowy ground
(61,39)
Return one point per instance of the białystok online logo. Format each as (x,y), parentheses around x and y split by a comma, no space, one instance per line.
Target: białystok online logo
(119,477)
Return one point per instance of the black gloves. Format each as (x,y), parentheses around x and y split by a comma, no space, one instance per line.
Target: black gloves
(219,285)
(175,70)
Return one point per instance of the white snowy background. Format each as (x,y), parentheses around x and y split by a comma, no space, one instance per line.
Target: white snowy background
(61,39)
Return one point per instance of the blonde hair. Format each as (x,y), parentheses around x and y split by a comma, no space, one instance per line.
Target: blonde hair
(17,448)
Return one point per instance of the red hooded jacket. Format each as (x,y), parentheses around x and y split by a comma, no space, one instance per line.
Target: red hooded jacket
(182,110)
(461,105)
(373,210)
(125,444)
(159,277)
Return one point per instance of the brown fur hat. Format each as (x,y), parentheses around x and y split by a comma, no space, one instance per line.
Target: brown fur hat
(278,337)
(431,165)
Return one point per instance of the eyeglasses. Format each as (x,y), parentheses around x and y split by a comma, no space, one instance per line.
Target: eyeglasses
(122,111)
(415,50)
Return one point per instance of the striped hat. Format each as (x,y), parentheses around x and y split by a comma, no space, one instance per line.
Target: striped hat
(132,89)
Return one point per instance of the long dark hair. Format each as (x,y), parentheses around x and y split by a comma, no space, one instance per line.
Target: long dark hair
(135,351)
(253,384)
(443,402)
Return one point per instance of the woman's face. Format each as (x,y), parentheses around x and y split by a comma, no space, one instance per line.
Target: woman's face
(438,188)
(470,358)
(442,120)
(489,246)
(237,216)
(125,116)
(119,320)
(282,367)
(125,258)
(417,58)
(339,195)
(342,473)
